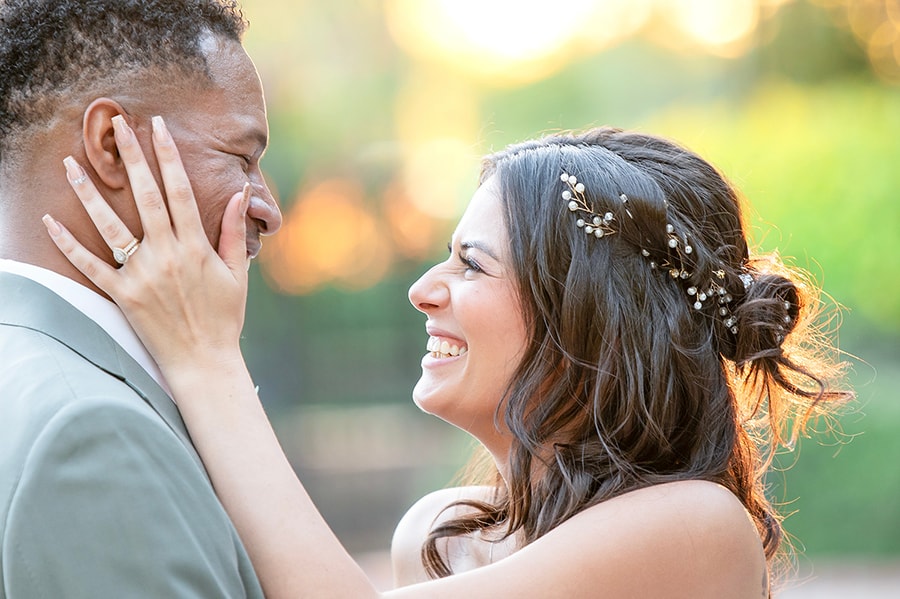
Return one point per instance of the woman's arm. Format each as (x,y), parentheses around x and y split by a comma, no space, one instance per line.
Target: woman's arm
(293,550)
(679,540)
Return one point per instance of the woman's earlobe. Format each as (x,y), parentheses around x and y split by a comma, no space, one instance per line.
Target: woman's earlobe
(100,142)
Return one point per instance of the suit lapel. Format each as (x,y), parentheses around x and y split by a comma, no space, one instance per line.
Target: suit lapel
(24,303)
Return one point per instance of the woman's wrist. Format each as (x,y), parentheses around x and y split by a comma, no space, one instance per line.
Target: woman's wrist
(219,373)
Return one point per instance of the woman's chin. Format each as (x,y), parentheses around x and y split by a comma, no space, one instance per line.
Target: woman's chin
(424,396)
(433,397)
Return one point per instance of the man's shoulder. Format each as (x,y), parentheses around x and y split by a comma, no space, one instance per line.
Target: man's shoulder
(99,478)
(60,397)
(40,376)
(50,396)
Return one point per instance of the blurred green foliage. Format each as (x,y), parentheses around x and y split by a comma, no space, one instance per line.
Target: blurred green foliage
(818,166)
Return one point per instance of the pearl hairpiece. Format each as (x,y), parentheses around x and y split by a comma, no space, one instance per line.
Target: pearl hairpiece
(593,223)
(600,225)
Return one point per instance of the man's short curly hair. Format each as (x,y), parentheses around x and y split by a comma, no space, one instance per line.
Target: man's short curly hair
(52,48)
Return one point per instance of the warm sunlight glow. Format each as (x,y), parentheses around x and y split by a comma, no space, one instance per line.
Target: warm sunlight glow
(510,43)
(505,41)
(439,177)
(329,236)
(611,22)
(437,124)
(876,24)
(721,27)
(432,105)
(416,234)
(446,99)
(512,31)
(884,51)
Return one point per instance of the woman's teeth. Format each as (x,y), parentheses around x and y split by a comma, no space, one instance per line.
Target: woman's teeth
(443,349)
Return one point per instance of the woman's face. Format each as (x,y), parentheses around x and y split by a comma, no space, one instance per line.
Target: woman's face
(475,325)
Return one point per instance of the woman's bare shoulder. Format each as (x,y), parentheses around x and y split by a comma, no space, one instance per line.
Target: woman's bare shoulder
(419,520)
(680,540)
(694,536)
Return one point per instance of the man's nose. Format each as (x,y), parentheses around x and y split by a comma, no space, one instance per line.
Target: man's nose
(264,209)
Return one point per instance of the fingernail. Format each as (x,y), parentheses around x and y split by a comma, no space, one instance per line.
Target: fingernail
(160,131)
(123,131)
(245,200)
(52,226)
(74,173)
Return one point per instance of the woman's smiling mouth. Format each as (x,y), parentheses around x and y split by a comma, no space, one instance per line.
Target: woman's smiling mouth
(444,349)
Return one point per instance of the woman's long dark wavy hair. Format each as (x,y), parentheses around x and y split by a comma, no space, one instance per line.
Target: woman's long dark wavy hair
(625,383)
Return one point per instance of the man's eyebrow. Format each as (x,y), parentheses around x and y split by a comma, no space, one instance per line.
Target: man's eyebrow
(480,246)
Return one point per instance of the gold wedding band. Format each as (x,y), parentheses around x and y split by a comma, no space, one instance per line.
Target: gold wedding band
(121,255)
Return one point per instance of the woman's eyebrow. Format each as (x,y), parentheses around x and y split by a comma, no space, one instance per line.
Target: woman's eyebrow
(480,246)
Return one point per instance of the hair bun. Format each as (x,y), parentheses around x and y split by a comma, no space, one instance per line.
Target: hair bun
(766,314)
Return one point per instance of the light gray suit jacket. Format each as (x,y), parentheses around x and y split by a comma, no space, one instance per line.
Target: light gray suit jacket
(101,492)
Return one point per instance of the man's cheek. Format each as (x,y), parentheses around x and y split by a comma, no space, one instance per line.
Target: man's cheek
(212,199)
(211,217)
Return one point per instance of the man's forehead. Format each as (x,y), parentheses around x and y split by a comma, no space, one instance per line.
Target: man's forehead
(226,58)
(236,102)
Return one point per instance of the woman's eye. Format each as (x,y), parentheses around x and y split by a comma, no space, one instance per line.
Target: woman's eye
(470,264)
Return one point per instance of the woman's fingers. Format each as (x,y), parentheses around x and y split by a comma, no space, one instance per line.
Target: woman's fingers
(114,232)
(180,195)
(99,272)
(176,280)
(147,197)
(164,247)
(233,239)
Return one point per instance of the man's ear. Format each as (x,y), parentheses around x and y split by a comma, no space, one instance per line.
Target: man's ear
(100,142)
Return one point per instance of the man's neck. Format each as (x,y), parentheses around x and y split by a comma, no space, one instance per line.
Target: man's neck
(33,183)
(31,186)
(24,238)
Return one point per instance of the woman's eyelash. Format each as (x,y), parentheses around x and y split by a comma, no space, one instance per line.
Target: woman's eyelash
(468,262)
(471,264)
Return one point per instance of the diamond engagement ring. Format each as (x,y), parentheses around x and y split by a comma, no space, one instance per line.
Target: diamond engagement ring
(121,255)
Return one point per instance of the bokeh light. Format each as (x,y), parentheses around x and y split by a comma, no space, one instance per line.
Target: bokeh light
(331,236)
(416,232)
(876,25)
(723,28)
(507,42)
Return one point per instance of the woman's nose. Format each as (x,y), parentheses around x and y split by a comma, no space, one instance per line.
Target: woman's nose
(429,292)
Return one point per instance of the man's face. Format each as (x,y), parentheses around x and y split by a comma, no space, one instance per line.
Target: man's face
(221,133)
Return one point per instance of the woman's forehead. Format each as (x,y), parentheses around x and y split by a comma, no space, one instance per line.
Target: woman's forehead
(483,219)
